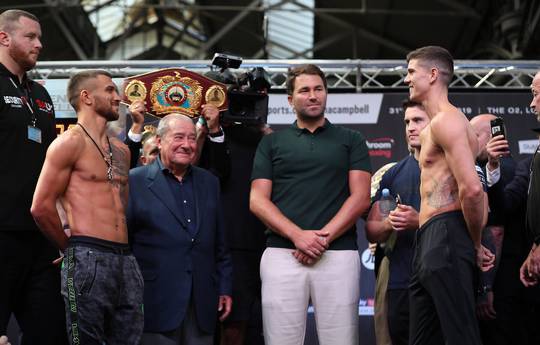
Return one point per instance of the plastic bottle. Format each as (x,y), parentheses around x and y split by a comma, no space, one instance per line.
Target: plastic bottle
(386,203)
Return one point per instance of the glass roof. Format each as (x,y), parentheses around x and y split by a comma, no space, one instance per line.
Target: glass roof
(290,30)
(289,27)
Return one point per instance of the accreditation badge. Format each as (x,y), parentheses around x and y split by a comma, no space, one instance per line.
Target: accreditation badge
(34,134)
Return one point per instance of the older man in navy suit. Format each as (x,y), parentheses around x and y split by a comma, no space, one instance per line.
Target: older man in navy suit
(176,232)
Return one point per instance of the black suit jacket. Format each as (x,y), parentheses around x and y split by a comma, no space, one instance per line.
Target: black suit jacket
(134,150)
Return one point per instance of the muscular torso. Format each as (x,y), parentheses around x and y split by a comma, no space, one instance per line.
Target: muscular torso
(94,205)
(438,188)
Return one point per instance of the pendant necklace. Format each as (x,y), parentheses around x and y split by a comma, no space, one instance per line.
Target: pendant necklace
(108,162)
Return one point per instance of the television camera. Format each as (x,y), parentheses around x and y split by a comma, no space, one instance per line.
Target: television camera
(247,94)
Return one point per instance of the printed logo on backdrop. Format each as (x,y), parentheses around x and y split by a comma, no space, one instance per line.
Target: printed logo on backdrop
(380,147)
(368,259)
(527,146)
(340,109)
(366,306)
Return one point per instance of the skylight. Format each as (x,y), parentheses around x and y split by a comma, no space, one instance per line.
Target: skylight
(290,30)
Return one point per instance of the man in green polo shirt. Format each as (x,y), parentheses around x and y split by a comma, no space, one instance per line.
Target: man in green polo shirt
(310,183)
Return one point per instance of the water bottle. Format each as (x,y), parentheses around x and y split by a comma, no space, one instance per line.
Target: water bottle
(386,203)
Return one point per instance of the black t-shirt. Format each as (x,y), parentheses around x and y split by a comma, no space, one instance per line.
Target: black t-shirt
(23,158)
(533,199)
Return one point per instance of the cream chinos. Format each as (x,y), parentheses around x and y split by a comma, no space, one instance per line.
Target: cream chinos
(333,284)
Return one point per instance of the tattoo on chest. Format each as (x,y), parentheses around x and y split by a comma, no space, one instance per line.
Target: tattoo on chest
(120,163)
(443,193)
(121,171)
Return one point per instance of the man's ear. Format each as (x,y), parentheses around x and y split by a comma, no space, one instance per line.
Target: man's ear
(5,39)
(433,75)
(289,99)
(85,97)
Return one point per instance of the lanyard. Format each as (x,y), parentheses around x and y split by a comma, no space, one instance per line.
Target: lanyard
(24,98)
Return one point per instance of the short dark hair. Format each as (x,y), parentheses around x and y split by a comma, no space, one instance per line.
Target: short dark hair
(303,69)
(77,83)
(407,103)
(438,57)
(10,17)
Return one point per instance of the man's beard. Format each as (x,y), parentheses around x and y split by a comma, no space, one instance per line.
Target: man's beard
(105,110)
(22,58)
(309,118)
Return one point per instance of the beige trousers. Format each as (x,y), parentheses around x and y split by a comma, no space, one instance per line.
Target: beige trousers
(332,284)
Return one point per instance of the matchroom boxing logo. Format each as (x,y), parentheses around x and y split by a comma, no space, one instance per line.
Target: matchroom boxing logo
(380,147)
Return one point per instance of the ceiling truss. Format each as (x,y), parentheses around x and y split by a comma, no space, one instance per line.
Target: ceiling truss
(357,75)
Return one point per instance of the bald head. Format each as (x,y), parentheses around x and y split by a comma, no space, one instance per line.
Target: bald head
(535,89)
(166,123)
(482,126)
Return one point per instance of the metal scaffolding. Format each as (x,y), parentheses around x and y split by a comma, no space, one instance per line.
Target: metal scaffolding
(353,75)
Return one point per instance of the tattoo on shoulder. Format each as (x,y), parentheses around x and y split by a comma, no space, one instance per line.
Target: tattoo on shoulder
(443,193)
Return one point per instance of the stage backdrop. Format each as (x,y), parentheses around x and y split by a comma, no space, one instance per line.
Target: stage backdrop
(380,118)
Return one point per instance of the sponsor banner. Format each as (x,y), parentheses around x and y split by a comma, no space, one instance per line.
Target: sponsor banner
(352,108)
(513,107)
(380,147)
(379,117)
(366,307)
(57,90)
(527,146)
(63,124)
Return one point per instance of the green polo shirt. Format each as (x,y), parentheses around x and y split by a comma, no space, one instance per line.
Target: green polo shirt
(309,173)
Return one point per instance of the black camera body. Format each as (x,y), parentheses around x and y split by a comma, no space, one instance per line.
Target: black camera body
(247,94)
(247,107)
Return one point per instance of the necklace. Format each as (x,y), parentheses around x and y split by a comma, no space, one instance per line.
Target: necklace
(108,162)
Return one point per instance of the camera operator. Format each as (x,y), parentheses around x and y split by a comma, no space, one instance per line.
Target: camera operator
(228,151)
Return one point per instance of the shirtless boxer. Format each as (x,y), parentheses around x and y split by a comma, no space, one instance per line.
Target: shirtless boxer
(88,172)
(451,218)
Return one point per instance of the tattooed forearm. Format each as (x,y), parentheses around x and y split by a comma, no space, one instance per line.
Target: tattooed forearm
(443,193)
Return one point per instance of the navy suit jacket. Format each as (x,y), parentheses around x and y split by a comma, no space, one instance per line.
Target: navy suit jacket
(177,267)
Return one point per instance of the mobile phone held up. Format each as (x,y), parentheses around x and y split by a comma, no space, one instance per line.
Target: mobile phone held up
(497,127)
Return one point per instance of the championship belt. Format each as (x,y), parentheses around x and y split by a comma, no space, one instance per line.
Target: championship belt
(174,90)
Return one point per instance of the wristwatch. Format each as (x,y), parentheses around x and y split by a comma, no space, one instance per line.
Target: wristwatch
(216,134)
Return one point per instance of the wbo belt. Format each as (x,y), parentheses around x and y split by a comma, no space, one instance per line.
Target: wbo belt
(175,90)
